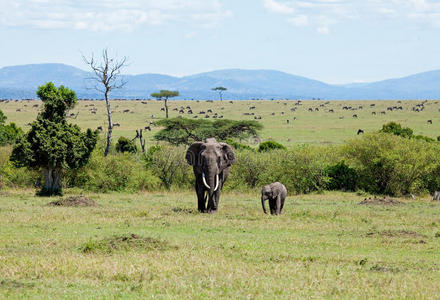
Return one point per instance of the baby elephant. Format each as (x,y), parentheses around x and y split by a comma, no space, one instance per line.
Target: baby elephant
(276,193)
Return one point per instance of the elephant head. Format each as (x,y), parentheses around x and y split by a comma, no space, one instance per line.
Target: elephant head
(266,194)
(211,161)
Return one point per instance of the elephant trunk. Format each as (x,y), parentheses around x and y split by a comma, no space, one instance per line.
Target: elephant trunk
(262,203)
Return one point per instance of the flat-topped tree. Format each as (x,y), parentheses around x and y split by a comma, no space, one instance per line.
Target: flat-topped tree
(53,145)
(220,91)
(165,95)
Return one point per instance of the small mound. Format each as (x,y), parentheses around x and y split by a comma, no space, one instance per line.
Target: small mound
(76,201)
(380,201)
(125,243)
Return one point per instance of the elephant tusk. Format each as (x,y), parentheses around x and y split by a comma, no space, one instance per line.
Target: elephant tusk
(217,183)
(204,181)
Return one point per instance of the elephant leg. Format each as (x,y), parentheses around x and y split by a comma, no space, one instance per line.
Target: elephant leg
(272,206)
(282,204)
(278,205)
(200,196)
(211,203)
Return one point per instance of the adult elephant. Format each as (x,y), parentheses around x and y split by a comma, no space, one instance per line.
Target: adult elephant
(211,161)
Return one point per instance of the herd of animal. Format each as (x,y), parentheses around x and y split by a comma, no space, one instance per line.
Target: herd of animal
(211,162)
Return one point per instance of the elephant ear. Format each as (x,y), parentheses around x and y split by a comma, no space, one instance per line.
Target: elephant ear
(228,154)
(192,153)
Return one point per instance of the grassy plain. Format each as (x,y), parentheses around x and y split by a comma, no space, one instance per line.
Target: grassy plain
(323,246)
(319,127)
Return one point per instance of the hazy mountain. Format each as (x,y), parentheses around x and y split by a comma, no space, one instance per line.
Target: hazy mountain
(22,82)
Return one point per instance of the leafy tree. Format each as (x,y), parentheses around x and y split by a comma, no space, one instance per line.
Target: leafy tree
(185,131)
(52,145)
(270,145)
(8,133)
(165,95)
(220,91)
(126,145)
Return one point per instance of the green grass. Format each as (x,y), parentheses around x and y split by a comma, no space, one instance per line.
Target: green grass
(323,246)
(319,127)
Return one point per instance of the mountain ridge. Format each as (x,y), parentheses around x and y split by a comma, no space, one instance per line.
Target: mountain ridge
(19,82)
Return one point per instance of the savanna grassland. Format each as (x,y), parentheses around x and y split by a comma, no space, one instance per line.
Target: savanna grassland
(158,246)
(138,245)
(318,127)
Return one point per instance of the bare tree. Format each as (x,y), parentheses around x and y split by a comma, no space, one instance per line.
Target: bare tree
(106,75)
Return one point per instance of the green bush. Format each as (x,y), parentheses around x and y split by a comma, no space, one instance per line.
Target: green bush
(126,145)
(10,176)
(397,129)
(238,146)
(116,172)
(389,164)
(168,163)
(342,177)
(269,146)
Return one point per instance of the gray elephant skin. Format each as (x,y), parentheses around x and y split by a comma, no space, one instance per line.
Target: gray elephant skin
(276,194)
(211,161)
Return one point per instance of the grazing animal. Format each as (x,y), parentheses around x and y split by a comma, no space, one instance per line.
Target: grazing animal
(276,194)
(126,110)
(360,131)
(355,116)
(429,121)
(287,121)
(99,128)
(211,162)
(209,110)
(116,125)
(373,113)
(148,128)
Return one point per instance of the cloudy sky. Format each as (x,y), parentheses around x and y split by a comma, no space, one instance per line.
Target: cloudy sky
(336,41)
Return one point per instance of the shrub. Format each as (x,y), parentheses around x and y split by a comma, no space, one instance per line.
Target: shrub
(125,145)
(389,164)
(238,146)
(342,177)
(116,172)
(168,163)
(270,145)
(397,129)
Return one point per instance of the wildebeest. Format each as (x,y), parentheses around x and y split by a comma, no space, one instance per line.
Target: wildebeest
(360,131)
(116,124)
(148,128)
(99,128)
(355,116)
(429,121)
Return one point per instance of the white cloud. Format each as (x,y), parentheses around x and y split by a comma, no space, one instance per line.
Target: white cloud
(323,13)
(278,7)
(108,15)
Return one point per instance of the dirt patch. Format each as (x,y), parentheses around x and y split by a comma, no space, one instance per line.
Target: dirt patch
(180,210)
(76,201)
(396,233)
(380,201)
(126,243)
(383,268)
(15,284)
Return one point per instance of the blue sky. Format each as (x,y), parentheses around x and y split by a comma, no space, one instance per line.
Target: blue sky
(335,41)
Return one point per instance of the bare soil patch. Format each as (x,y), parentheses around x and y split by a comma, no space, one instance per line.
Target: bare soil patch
(126,243)
(396,233)
(75,201)
(380,201)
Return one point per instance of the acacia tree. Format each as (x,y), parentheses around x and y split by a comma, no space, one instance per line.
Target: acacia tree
(220,91)
(106,75)
(52,144)
(165,95)
(178,131)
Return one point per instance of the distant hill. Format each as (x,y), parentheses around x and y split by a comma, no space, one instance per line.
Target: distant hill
(20,82)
